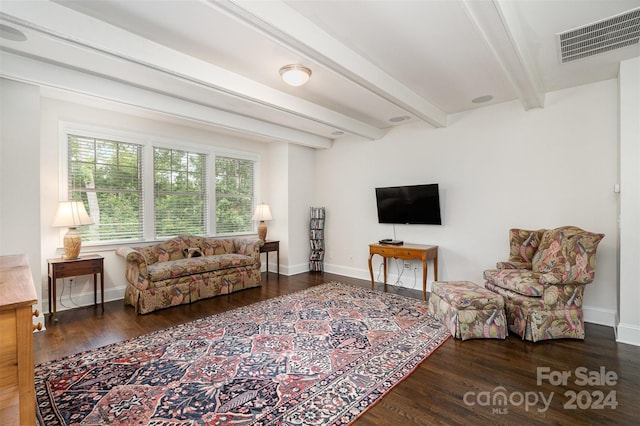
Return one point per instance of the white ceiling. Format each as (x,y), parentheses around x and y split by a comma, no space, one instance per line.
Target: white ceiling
(215,63)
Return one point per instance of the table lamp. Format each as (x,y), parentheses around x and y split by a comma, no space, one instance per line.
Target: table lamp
(72,214)
(263,212)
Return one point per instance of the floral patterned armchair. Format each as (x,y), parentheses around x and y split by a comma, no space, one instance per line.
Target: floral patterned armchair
(544,279)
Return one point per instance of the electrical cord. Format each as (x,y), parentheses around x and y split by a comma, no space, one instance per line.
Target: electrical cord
(399,267)
(71,298)
(64,285)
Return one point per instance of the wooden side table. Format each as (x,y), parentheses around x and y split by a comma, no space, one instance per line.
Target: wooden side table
(88,264)
(271,246)
(406,252)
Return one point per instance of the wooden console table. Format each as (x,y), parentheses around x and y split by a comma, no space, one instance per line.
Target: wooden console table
(88,264)
(406,252)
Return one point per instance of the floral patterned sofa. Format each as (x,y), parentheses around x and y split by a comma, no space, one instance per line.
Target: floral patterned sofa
(188,268)
(544,280)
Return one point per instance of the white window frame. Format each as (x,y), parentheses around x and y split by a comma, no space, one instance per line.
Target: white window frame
(241,155)
(148,143)
(207,182)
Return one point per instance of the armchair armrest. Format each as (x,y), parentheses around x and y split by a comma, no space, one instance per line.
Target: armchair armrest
(553,278)
(513,265)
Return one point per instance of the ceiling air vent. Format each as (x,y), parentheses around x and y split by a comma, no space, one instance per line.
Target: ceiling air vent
(603,36)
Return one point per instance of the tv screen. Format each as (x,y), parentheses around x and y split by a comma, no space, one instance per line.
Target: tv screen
(414,204)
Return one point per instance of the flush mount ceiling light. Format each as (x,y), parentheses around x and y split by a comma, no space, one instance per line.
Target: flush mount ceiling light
(295,74)
(482,99)
(399,119)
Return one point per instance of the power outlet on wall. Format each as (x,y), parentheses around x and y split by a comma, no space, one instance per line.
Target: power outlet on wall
(72,281)
(407,265)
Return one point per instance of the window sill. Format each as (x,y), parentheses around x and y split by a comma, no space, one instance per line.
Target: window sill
(88,247)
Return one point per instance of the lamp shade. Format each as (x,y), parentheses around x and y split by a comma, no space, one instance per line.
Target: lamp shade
(263,212)
(71,214)
(295,75)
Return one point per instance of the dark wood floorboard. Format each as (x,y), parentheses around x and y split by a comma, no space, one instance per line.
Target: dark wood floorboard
(435,392)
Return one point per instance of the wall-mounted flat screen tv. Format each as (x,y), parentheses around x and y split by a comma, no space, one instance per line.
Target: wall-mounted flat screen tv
(413,204)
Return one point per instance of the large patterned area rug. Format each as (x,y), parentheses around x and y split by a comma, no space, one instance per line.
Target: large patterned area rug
(321,356)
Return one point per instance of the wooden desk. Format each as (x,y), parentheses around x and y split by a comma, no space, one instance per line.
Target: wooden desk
(88,264)
(271,246)
(406,252)
(17,296)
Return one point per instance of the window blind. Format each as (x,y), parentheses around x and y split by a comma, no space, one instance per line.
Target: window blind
(106,176)
(180,186)
(235,202)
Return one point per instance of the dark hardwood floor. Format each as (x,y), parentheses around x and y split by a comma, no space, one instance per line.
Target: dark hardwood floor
(460,383)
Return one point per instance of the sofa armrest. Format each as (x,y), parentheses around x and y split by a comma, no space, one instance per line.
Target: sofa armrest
(249,247)
(513,265)
(136,264)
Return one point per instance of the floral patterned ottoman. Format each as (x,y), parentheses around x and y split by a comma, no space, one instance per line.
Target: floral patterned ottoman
(470,311)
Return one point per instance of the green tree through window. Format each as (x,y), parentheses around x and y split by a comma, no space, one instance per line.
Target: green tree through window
(234,195)
(181,205)
(106,176)
(112,180)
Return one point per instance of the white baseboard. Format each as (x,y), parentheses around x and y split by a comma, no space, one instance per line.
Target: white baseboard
(592,315)
(84,299)
(599,316)
(626,333)
(294,269)
(408,280)
(629,334)
(347,271)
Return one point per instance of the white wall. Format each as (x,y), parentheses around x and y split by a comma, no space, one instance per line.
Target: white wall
(290,194)
(55,111)
(20,175)
(277,196)
(302,178)
(498,167)
(629,327)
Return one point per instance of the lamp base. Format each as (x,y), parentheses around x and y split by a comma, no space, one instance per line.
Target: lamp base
(262,230)
(72,243)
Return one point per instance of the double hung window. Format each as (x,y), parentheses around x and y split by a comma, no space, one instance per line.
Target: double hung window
(106,176)
(180,192)
(234,195)
(137,191)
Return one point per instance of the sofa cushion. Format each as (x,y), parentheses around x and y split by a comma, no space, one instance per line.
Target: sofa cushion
(513,265)
(549,257)
(196,265)
(568,252)
(580,254)
(212,246)
(520,281)
(164,251)
(524,244)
